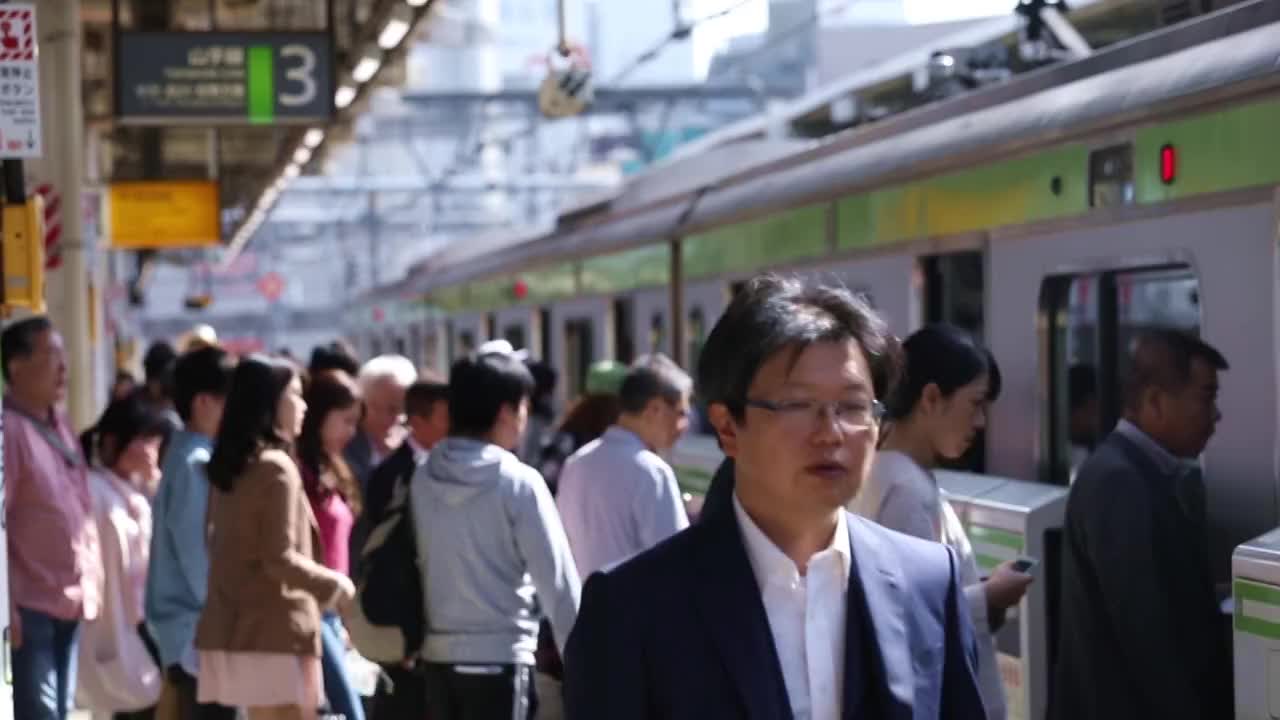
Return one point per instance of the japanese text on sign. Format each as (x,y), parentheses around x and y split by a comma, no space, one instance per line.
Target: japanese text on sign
(19,83)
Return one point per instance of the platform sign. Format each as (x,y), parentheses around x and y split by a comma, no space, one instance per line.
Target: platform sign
(19,83)
(224,78)
(163,214)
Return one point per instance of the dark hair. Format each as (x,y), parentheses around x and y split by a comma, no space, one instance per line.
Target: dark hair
(421,397)
(124,421)
(1082,384)
(326,472)
(337,355)
(480,386)
(589,417)
(158,363)
(203,370)
(772,314)
(1162,358)
(655,377)
(544,387)
(249,420)
(942,355)
(19,340)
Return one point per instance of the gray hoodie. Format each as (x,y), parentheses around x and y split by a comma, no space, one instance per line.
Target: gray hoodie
(494,556)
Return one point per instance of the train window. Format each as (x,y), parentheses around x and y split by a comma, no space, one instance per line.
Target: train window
(579,341)
(1090,322)
(466,342)
(375,346)
(514,334)
(401,348)
(657,333)
(490,326)
(544,333)
(697,334)
(1111,176)
(953,293)
(415,344)
(624,344)
(432,348)
(953,290)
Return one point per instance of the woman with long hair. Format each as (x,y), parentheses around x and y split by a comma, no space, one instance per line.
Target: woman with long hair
(259,637)
(119,671)
(934,415)
(333,416)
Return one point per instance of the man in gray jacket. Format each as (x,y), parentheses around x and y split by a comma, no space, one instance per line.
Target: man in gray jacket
(494,554)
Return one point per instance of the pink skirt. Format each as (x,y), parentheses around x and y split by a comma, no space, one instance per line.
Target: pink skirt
(253,679)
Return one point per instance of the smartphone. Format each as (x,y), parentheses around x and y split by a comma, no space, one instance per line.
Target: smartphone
(1025,564)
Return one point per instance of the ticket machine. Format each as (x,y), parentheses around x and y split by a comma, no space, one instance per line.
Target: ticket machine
(1006,519)
(1255,592)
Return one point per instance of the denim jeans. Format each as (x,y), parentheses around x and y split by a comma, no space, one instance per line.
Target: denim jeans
(343,699)
(44,667)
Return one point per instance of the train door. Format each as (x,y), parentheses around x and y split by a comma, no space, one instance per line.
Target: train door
(579,345)
(952,292)
(415,343)
(515,334)
(1065,301)
(1090,321)
(624,349)
(544,335)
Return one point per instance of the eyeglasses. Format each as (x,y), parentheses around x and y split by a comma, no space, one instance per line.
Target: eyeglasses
(850,415)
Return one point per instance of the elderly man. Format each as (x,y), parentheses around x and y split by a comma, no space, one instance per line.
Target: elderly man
(55,570)
(782,605)
(383,381)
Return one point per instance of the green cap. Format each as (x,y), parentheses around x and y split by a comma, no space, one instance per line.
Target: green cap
(605,377)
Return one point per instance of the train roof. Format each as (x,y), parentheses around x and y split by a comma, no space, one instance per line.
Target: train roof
(1225,55)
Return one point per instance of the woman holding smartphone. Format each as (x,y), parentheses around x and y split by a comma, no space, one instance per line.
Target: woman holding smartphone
(259,637)
(934,415)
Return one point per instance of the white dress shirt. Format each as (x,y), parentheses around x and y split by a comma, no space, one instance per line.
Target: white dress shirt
(617,498)
(806,616)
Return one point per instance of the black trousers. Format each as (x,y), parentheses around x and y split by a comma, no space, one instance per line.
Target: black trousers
(480,692)
(407,698)
(188,708)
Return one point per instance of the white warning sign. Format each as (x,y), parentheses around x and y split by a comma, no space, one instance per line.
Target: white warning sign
(19,83)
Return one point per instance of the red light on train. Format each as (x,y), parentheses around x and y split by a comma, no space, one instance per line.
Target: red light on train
(1168,164)
(520,290)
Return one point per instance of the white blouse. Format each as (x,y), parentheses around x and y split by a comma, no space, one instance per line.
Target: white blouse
(902,496)
(116,672)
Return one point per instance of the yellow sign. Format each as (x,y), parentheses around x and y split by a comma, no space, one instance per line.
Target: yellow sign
(163,214)
(23,252)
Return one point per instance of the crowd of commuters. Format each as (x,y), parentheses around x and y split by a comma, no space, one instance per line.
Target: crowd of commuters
(243,534)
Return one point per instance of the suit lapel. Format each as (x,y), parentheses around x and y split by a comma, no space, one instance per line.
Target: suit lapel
(728,601)
(876,600)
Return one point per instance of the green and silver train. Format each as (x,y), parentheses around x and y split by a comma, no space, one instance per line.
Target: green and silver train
(1056,216)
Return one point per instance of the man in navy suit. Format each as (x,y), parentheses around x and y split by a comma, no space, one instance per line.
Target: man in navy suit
(779,604)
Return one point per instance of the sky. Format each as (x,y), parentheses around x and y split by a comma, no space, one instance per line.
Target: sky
(754,18)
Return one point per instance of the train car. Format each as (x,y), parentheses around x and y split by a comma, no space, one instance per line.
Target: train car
(1087,201)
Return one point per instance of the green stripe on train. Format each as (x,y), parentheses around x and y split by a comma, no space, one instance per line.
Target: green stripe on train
(986,535)
(755,245)
(1218,151)
(1268,595)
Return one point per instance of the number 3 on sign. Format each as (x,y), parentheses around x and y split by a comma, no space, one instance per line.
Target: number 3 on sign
(302,74)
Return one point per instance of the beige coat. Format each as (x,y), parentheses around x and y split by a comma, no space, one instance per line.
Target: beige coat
(267,582)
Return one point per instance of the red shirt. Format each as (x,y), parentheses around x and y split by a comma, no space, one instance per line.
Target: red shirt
(335,519)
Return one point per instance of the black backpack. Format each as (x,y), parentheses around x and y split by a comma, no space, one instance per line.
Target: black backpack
(389,591)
